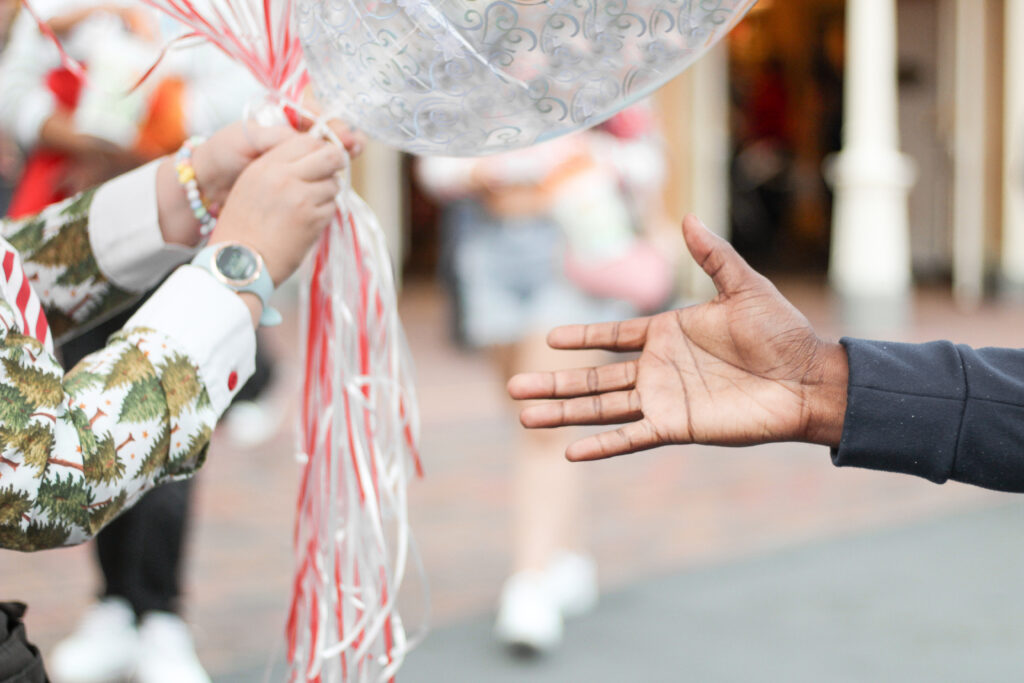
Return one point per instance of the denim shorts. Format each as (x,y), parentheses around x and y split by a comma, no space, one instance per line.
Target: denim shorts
(510,279)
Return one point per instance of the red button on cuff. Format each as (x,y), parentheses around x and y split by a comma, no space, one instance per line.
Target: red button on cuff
(232,381)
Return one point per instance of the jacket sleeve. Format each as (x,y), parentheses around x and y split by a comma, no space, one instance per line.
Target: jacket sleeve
(77,449)
(937,410)
(93,253)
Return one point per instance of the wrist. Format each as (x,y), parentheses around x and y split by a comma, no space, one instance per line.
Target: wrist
(231,229)
(186,214)
(203,162)
(255,306)
(240,268)
(58,132)
(177,224)
(189,182)
(825,395)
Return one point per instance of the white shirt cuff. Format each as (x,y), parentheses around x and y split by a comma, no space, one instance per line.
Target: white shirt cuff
(124,231)
(210,323)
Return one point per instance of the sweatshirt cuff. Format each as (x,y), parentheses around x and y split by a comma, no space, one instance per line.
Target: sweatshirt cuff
(124,232)
(905,405)
(211,324)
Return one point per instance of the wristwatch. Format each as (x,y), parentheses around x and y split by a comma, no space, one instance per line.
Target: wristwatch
(240,268)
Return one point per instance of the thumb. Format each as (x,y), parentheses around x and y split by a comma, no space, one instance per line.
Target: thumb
(716,257)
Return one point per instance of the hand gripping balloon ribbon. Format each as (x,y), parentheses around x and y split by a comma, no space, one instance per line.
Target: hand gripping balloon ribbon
(359,416)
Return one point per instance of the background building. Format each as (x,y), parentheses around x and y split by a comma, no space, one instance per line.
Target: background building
(753,129)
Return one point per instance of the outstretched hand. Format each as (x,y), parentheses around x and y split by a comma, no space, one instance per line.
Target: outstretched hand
(741,369)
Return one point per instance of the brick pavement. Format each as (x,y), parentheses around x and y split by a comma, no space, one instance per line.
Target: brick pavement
(649,514)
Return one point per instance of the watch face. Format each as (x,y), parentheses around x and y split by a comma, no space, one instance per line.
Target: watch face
(237,263)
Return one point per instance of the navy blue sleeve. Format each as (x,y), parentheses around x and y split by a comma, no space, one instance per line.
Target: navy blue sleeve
(937,410)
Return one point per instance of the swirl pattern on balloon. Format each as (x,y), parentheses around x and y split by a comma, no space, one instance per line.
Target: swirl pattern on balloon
(473,77)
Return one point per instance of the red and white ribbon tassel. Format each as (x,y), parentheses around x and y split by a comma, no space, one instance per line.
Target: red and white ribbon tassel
(358,440)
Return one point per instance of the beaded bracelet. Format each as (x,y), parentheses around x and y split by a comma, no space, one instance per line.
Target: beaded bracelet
(187,178)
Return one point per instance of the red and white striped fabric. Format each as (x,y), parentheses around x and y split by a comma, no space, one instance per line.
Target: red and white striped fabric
(19,294)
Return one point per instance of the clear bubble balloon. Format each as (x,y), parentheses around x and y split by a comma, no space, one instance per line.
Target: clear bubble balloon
(472,77)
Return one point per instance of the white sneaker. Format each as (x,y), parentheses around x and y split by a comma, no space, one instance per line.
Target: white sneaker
(166,651)
(572,583)
(528,617)
(101,650)
(251,423)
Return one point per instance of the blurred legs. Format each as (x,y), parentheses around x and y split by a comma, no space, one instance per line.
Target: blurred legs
(551,578)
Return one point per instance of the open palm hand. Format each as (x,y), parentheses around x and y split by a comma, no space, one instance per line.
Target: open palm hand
(741,369)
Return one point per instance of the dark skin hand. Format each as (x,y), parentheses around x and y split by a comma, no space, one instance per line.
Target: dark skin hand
(742,369)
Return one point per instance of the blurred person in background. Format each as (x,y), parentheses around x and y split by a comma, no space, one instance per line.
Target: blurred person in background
(10,170)
(10,155)
(553,233)
(78,133)
(45,105)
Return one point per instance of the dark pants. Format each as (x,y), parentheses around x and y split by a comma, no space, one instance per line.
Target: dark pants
(20,662)
(140,552)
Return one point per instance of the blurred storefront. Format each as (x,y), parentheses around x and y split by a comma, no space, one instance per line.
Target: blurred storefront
(765,145)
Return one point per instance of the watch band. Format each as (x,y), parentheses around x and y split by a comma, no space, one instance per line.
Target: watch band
(259,283)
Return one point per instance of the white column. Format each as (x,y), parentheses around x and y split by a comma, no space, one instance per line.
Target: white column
(694,111)
(870,259)
(969,154)
(1013,148)
(377,177)
(709,157)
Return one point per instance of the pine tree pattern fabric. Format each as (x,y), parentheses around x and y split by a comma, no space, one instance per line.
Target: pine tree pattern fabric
(58,260)
(77,448)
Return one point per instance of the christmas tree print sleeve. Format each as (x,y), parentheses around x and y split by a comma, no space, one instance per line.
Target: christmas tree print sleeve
(77,449)
(95,252)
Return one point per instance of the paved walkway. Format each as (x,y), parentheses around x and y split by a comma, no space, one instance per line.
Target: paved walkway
(934,601)
(938,601)
(710,557)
